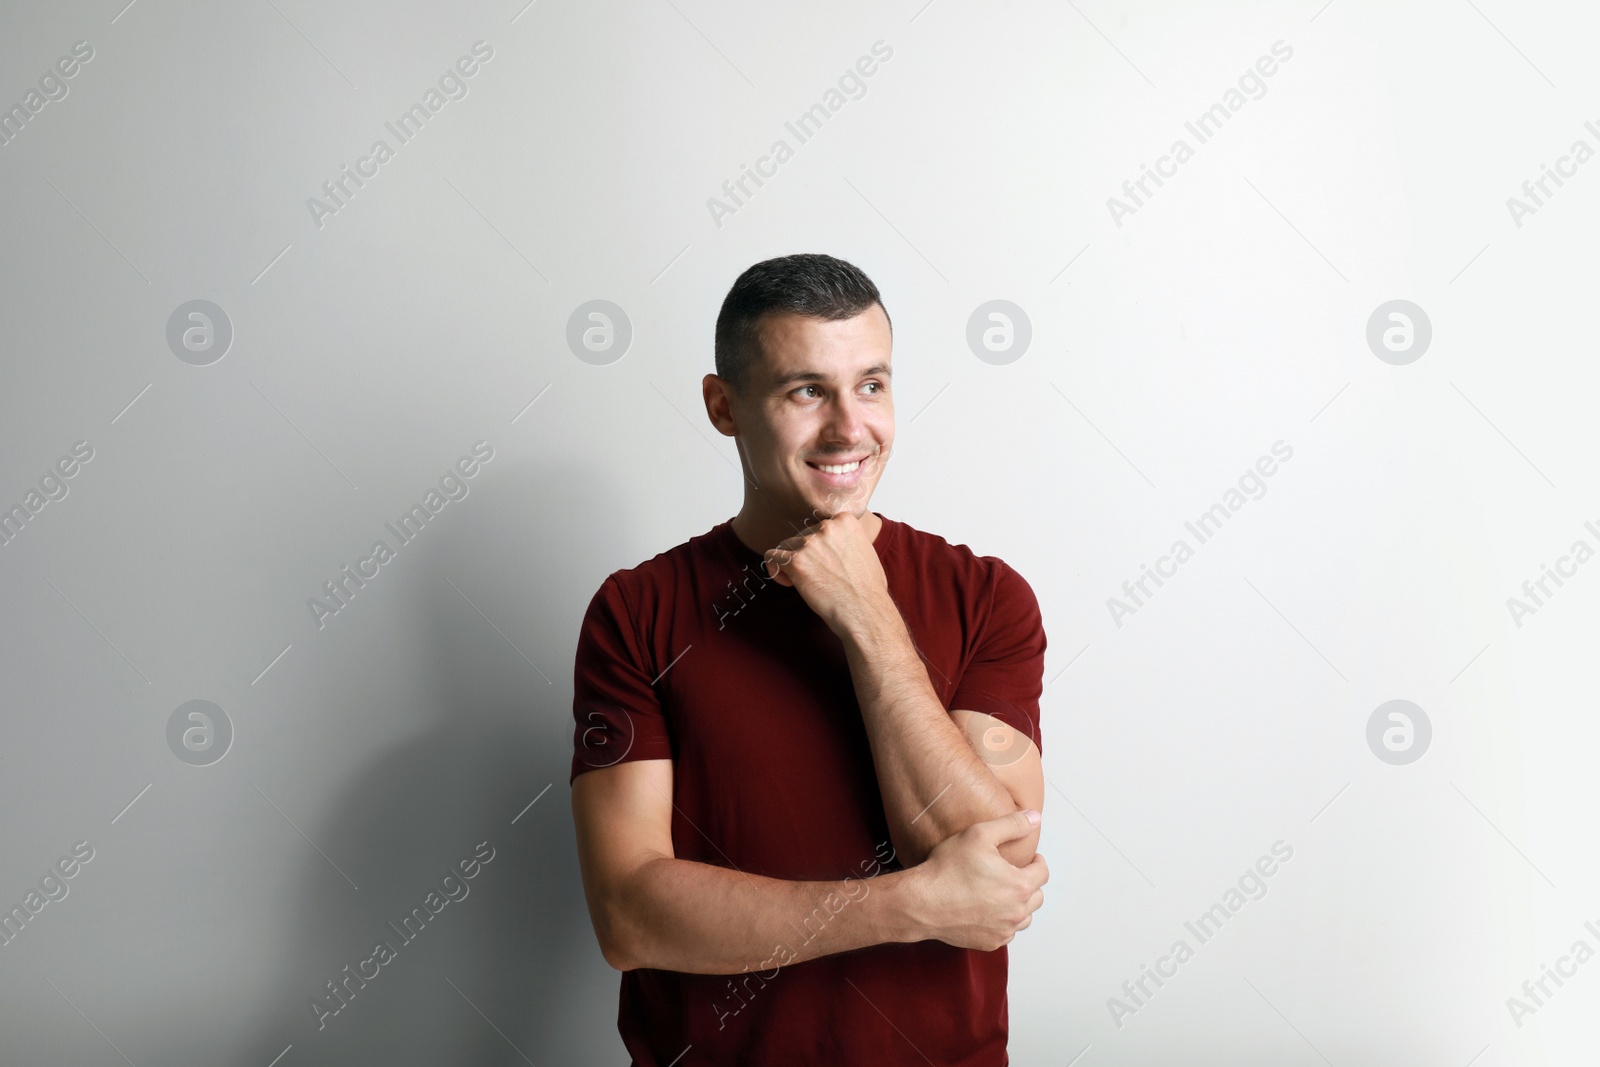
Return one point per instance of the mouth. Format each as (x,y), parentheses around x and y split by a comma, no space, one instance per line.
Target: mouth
(842,473)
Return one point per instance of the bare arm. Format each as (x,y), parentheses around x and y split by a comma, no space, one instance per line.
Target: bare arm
(932,780)
(651,909)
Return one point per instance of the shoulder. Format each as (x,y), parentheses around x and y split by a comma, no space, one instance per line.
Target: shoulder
(986,603)
(932,555)
(936,579)
(654,581)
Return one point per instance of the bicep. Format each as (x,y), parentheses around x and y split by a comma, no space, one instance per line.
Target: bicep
(623,817)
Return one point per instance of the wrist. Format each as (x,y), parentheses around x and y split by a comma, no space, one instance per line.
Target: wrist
(903,895)
(875,627)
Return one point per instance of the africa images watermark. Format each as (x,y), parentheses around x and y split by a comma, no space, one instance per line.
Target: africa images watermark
(727,607)
(52,888)
(1252,481)
(1580,553)
(452,85)
(804,127)
(832,904)
(1205,126)
(52,486)
(451,487)
(1566,166)
(453,888)
(52,87)
(1582,952)
(1252,882)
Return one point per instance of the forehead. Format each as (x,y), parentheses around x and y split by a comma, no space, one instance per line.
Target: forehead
(801,347)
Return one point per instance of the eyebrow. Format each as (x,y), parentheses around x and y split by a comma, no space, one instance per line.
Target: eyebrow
(812,376)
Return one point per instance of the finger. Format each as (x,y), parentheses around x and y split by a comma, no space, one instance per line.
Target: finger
(773,562)
(1005,828)
(799,537)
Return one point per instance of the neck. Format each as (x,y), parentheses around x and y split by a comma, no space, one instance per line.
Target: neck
(760,529)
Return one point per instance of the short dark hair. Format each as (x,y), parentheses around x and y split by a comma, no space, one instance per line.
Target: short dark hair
(806,283)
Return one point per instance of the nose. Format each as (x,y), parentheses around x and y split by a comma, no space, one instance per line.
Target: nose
(845,424)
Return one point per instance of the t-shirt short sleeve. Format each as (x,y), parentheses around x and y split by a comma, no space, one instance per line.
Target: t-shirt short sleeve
(1005,677)
(617,714)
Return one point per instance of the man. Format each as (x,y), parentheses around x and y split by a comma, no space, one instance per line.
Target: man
(806,777)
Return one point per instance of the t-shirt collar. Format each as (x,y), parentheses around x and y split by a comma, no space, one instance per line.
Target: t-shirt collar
(885,542)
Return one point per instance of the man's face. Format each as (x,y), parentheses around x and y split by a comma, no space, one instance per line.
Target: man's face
(819,398)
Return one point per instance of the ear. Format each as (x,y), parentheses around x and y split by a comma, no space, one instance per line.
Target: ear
(718,396)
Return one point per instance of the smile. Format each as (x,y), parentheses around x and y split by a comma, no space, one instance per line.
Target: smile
(842,475)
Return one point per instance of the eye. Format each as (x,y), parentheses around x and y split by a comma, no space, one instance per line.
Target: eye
(803,388)
(878,384)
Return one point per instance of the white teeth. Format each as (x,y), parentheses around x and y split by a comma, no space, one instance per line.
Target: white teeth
(844,468)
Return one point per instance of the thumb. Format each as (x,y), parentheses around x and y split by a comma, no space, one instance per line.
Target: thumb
(1007,827)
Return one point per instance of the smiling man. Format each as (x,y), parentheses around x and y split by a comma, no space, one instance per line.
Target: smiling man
(806,779)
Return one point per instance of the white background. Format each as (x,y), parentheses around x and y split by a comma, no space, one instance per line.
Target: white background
(1168,353)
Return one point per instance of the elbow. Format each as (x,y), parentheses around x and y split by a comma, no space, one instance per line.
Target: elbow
(617,948)
(1020,853)
(620,923)
(619,936)
(615,958)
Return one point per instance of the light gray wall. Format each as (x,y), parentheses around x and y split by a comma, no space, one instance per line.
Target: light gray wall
(1171,346)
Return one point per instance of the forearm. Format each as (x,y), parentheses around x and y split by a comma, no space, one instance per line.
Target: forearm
(932,782)
(683,915)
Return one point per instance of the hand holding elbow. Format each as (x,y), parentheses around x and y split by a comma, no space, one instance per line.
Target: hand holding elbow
(971,895)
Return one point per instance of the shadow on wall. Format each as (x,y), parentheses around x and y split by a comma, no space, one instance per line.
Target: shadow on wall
(514,960)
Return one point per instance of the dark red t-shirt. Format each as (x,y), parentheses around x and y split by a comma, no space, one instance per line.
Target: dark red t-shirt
(695,656)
